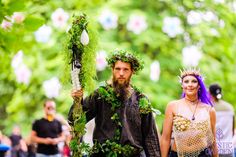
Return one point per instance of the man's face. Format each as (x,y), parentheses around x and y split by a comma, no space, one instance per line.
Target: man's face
(122,72)
(50,108)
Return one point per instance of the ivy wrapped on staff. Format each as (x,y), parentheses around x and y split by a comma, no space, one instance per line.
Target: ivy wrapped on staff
(81,47)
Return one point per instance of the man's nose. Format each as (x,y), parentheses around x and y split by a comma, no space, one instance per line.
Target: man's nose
(121,72)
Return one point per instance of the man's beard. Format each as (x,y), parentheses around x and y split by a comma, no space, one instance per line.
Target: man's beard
(121,90)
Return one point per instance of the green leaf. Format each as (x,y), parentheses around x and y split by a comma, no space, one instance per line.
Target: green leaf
(32,23)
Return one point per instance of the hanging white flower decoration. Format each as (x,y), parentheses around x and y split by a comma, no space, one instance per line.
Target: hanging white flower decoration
(191,55)
(23,74)
(18,17)
(155,71)
(194,17)
(17,60)
(59,18)
(43,34)
(101,62)
(84,38)
(6,25)
(137,24)
(108,20)
(52,87)
(172,26)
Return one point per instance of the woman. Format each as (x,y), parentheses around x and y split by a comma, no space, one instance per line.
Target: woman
(192,119)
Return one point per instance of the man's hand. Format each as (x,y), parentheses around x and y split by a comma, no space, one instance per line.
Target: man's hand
(48,140)
(77,95)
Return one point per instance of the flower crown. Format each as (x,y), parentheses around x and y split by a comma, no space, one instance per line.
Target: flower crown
(125,56)
(189,71)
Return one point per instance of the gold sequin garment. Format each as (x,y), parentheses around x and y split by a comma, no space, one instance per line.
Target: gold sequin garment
(192,137)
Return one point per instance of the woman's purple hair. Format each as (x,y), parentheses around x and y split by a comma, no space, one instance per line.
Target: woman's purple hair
(203,95)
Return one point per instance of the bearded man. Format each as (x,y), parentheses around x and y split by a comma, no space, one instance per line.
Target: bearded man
(124,123)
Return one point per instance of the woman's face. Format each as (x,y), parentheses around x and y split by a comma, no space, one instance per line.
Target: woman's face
(190,85)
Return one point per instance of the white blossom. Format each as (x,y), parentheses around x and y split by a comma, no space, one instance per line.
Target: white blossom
(52,87)
(222,23)
(194,17)
(198,4)
(23,74)
(155,71)
(219,1)
(172,26)
(137,24)
(18,17)
(187,38)
(232,6)
(59,18)
(6,25)
(214,32)
(108,20)
(17,60)
(209,16)
(43,34)
(101,62)
(84,38)
(191,55)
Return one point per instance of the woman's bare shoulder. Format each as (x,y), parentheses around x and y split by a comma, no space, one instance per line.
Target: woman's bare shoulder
(173,104)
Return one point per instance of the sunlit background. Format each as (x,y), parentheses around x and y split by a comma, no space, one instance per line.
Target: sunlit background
(167,34)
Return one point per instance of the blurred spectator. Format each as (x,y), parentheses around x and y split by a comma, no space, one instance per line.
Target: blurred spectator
(224,121)
(64,145)
(19,147)
(31,147)
(47,132)
(5,145)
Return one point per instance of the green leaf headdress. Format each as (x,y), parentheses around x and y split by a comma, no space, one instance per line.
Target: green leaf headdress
(125,56)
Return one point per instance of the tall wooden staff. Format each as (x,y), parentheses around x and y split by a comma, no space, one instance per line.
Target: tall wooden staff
(81,46)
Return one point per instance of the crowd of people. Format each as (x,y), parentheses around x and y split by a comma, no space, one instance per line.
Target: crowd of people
(194,125)
(50,136)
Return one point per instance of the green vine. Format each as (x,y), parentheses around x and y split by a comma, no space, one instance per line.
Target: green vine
(112,147)
(85,54)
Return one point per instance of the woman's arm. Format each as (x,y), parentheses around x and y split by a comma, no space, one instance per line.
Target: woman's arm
(167,130)
(213,127)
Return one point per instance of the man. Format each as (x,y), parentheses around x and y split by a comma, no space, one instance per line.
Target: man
(47,132)
(224,122)
(123,115)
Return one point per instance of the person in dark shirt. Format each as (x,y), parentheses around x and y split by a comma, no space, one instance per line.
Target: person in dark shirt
(19,147)
(47,132)
(123,114)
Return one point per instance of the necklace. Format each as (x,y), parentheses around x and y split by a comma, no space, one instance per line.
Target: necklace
(195,102)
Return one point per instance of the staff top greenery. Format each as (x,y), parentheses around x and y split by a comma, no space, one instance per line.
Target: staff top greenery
(82,50)
(168,34)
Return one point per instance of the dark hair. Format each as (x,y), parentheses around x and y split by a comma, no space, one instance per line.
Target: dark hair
(215,90)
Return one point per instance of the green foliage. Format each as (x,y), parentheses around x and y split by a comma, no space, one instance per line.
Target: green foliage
(124,56)
(86,53)
(45,60)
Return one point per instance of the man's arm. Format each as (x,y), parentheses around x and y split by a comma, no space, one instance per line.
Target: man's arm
(150,136)
(88,105)
(40,140)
